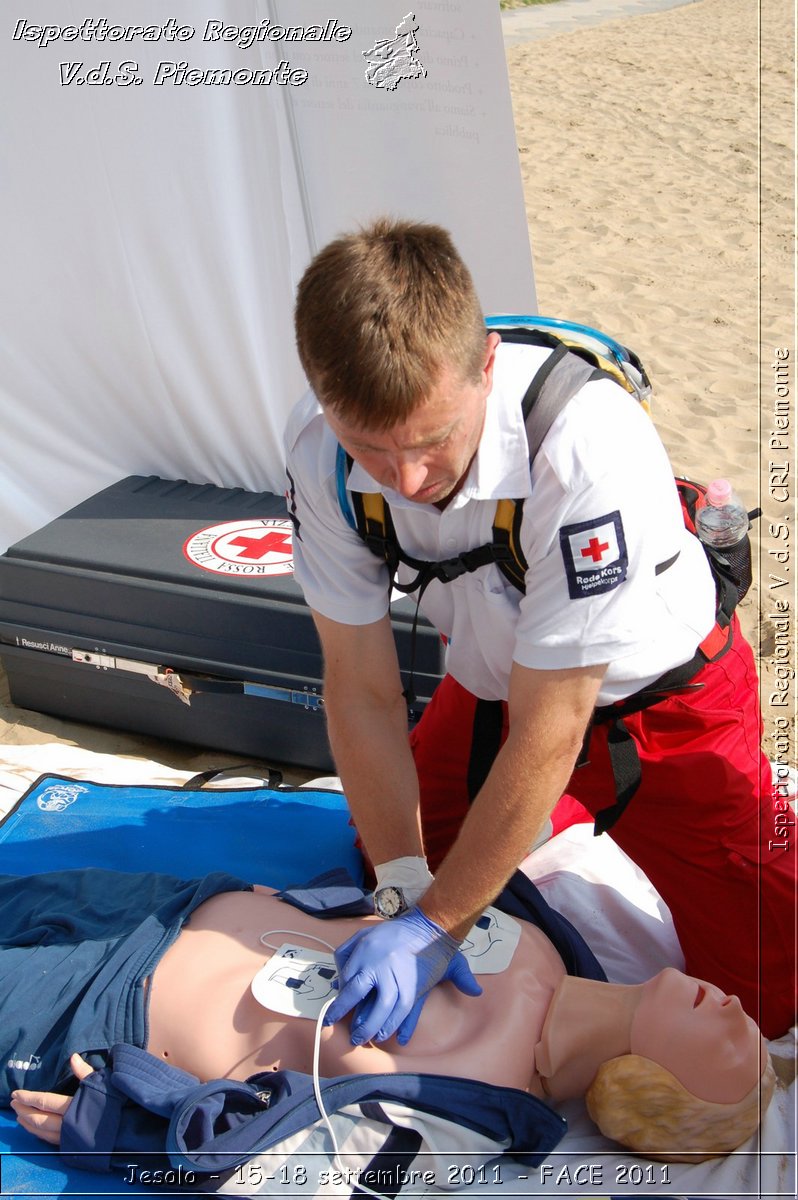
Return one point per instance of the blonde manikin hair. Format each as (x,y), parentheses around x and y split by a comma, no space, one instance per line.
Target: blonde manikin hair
(643,1106)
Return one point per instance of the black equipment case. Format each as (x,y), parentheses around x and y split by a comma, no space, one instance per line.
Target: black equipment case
(170,608)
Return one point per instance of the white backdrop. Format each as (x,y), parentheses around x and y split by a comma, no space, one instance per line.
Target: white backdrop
(152,236)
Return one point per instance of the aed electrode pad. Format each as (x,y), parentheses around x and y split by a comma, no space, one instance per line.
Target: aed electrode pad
(298,981)
(295,981)
(490,943)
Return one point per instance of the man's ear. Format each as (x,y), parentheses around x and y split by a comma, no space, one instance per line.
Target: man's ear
(492,341)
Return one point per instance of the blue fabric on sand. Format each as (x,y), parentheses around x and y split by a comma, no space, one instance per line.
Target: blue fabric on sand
(269,835)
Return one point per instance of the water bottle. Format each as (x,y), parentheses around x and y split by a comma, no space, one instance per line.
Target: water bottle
(722,524)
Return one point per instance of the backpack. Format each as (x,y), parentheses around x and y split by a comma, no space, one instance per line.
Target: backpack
(579,354)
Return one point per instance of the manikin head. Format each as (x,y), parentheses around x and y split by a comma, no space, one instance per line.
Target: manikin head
(700,1034)
(698,1077)
(392,338)
(643,1106)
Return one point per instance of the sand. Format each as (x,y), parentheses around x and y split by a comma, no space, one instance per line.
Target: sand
(639,148)
(640,144)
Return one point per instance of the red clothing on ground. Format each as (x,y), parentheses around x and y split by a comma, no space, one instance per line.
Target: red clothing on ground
(702,825)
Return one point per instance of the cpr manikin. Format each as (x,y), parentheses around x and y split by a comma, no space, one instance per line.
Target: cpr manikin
(533,1027)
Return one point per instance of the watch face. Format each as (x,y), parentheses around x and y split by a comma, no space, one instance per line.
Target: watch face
(389,902)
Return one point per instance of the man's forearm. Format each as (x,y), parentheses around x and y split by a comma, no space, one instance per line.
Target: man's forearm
(549,711)
(496,836)
(372,755)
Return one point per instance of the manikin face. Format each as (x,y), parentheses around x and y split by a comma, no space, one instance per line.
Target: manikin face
(700,1035)
(427,457)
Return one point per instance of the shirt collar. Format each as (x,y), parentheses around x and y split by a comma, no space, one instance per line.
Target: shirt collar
(500,468)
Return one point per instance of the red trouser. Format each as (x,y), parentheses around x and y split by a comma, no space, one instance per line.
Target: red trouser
(702,825)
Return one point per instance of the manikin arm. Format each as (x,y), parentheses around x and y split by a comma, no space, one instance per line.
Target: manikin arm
(42,1113)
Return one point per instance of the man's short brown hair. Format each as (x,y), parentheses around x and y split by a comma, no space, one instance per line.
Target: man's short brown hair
(378,314)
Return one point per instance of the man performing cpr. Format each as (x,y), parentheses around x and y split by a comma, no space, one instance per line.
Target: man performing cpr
(614,616)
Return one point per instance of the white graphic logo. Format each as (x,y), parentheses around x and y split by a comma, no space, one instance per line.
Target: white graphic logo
(247,548)
(390,60)
(32,1063)
(59,797)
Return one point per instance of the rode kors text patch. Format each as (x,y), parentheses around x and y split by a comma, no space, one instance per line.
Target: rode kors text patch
(595,555)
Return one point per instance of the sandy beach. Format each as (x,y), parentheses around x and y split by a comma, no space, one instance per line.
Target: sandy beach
(639,149)
(640,152)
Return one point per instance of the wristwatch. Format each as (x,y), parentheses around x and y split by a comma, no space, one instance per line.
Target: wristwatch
(389,902)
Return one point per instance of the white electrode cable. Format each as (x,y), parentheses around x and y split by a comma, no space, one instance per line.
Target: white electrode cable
(337,1161)
(317,1081)
(293,933)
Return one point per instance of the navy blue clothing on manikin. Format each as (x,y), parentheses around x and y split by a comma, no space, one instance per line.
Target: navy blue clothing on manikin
(75,948)
(140,1105)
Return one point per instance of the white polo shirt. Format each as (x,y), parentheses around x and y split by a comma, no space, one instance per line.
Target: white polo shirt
(600,513)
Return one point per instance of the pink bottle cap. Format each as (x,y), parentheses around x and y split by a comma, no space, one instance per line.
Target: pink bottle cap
(719,492)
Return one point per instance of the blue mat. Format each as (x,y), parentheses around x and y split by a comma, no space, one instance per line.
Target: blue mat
(273,836)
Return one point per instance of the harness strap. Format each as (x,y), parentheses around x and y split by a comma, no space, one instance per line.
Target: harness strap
(486,740)
(374,523)
(445,571)
(626,771)
(521,335)
(558,379)
(716,642)
(507,533)
(562,375)
(624,756)
(343,465)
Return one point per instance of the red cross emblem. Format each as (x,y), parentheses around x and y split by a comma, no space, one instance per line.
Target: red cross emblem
(248,548)
(594,549)
(257,548)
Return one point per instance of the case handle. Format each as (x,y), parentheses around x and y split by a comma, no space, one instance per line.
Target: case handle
(271,777)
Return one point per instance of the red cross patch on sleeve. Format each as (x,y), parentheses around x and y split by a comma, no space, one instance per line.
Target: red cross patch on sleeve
(594,553)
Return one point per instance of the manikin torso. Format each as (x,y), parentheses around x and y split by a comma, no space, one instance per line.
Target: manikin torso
(204,1018)
(532,1022)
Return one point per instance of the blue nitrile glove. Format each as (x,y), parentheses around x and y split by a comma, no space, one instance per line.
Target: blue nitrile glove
(386,971)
